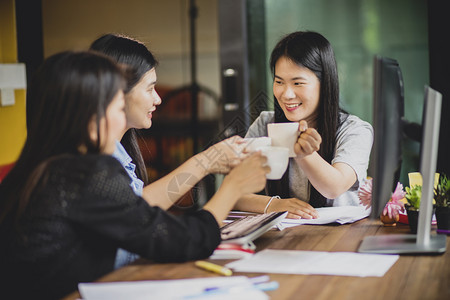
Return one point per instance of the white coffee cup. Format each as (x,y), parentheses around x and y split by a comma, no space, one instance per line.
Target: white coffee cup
(277,160)
(284,135)
(252,143)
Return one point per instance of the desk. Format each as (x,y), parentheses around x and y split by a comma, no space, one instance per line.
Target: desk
(411,277)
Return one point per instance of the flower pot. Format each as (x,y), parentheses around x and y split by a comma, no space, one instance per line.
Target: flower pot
(388,221)
(413,219)
(443,217)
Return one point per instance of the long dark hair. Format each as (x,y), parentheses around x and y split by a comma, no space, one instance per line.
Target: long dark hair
(69,90)
(139,60)
(313,51)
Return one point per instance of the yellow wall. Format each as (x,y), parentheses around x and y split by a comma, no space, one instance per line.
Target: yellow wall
(12,118)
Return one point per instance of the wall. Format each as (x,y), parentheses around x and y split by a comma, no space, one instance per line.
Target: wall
(162,25)
(12,118)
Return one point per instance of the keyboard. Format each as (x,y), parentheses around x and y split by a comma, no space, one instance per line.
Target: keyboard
(249,228)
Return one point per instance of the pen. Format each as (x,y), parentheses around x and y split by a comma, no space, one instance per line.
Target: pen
(259,279)
(263,286)
(255,281)
(262,283)
(227,290)
(267,286)
(213,268)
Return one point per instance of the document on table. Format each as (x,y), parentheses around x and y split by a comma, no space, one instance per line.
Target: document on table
(327,215)
(233,287)
(316,262)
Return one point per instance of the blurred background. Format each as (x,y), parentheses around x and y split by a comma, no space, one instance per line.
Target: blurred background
(213,75)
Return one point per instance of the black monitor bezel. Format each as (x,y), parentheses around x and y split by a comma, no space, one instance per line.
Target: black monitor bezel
(388,115)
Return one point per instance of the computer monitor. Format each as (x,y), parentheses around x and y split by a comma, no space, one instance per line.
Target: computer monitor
(423,241)
(388,112)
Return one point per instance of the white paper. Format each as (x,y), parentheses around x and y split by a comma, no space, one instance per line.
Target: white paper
(327,215)
(234,287)
(316,262)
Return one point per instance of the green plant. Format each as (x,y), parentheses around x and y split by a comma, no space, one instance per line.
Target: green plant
(413,196)
(442,191)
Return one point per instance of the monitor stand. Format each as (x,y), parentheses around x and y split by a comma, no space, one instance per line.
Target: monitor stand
(422,242)
(403,244)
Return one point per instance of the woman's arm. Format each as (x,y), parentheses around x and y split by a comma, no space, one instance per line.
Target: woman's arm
(109,210)
(248,177)
(253,202)
(296,208)
(167,190)
(219,158)
(329,180)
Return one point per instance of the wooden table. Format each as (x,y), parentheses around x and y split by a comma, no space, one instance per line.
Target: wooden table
(424,277)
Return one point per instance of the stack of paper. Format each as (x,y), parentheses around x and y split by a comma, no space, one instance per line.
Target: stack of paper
(234,287)
(316,262)
(327,215)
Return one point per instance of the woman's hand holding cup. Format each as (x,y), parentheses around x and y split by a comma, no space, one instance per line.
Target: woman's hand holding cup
(221,157)
(250,175)
(308,141)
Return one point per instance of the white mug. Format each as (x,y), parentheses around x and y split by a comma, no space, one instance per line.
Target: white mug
(284,135)
(252,143)
(277,160)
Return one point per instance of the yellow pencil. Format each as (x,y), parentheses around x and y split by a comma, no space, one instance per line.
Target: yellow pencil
(213,268)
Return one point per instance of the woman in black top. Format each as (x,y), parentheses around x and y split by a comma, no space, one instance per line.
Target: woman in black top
(67,205)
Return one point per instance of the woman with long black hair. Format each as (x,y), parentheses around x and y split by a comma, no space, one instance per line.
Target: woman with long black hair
(333,147)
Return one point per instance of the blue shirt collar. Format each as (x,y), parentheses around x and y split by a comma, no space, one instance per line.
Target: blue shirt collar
(125,160)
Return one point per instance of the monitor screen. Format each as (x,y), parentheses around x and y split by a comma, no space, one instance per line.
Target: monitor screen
(388,112)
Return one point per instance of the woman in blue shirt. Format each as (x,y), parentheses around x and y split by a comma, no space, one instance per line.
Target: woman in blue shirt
(141,101)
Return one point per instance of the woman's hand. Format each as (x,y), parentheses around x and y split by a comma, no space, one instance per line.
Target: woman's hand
(250,175)
(221,157)
(297,209)
(246,178)
(308,142)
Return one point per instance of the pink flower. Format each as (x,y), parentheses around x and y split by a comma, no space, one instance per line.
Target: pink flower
(392,209)
(365,193)
(395,205)
(398,194)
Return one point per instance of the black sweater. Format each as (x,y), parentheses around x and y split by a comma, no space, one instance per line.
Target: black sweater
(78,218)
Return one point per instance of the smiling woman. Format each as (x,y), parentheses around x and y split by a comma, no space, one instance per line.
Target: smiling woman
(141,99)
(297,90)
(333,147)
